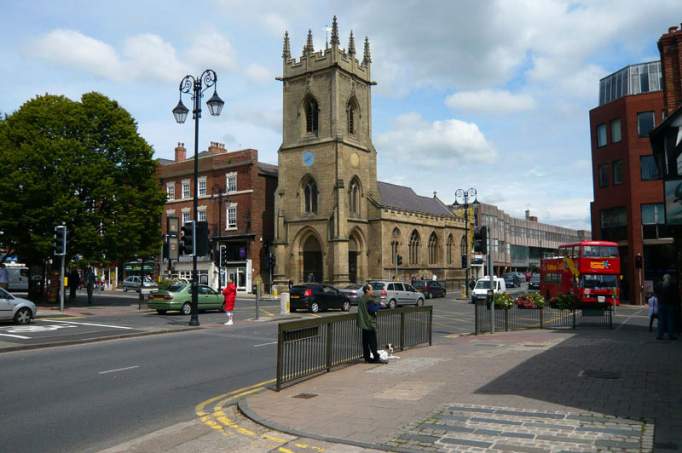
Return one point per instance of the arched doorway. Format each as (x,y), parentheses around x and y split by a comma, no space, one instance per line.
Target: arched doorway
(312,260)
(353,250)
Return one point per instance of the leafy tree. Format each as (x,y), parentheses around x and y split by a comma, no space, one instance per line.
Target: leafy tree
(84,164)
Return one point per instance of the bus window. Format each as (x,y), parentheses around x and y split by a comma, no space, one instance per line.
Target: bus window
(600,251)
(598,281)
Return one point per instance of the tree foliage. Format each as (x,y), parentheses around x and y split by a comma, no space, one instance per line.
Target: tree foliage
(84,164)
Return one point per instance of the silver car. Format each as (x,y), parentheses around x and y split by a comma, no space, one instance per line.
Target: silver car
(353,292)
(14,308)
(392,294)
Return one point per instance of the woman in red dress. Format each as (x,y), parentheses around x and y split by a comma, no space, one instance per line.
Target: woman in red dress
(230,293)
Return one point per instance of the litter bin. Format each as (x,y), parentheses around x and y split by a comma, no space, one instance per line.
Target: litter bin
(284,303)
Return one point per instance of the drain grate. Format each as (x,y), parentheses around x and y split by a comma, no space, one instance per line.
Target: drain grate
(600,374)
(305,396)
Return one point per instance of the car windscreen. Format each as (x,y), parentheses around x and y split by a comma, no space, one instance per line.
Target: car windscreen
(598,281)
(377,286)
(353,287)
(419,284)
(535,278)
(176,287)
(600,251)
(482,284)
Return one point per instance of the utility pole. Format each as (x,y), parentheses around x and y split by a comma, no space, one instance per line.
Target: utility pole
(492,283)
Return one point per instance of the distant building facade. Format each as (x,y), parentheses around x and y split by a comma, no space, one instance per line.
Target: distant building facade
(236,194)
(628,197)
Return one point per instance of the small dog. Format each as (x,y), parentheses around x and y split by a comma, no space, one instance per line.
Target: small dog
(389,348)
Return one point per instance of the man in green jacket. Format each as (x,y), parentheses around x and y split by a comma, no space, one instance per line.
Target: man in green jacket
(367,321)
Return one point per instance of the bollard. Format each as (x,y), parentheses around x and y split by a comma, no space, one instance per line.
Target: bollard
(284,303)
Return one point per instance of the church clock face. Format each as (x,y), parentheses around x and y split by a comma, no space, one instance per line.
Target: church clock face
(354,160)
(308,158)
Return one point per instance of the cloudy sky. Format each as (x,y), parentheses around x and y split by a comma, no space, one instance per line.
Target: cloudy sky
(490,94)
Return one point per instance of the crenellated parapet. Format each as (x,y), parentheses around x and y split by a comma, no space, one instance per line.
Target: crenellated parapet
(334,55)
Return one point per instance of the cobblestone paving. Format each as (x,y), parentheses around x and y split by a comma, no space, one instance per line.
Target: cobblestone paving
(467,427)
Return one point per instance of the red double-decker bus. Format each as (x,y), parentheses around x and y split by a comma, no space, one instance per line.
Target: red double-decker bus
(589,270)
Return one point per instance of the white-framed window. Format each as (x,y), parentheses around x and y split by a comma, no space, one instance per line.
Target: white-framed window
(185,189)
(186,217)
(170,191)
(231,182)
(201,214)
(231,217)
(202,186)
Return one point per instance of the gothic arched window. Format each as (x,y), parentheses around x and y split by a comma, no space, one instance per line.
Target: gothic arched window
(311,115)
(352,111)
(463,250)
(310,196)
(449,249)
(354,197)
(433,248)
(414,247)
(395,242)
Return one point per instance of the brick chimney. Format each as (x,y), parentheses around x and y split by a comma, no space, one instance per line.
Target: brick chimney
(216,148)
(180,152)
(670,48)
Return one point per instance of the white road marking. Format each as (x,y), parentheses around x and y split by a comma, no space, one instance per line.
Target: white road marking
(628,319)
(94,325)
(264,344)
(37,328)
(14,336)
(120,369)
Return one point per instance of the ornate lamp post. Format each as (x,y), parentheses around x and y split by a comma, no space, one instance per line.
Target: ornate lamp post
(464,196)
(196,86)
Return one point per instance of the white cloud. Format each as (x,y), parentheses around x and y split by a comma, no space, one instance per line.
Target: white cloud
(490,101)
(150,56)
(211,49)
(434,144)
(259,73)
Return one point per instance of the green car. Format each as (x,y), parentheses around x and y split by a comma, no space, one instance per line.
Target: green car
(178,297)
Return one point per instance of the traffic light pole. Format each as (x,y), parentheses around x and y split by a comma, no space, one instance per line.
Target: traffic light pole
(492,283)
(194,320)
(61,285)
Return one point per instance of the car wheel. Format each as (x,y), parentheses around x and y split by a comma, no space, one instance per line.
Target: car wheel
(161,312)
(428,294)
(314,307)
(186,309)
(392,304)
(420,302)
(346,306)
(23,316)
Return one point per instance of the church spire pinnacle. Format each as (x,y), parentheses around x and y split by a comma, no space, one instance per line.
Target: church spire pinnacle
(367,58)
(351,44)
(335,33)
(286,50)
(309,49)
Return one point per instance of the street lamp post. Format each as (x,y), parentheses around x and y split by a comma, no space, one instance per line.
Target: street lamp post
(464,196)
(196,86)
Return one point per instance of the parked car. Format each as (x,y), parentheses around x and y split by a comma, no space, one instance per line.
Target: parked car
(178,297)
(316,297)
(534,282)
(430,288)
(480,291)
(512,279)
(19,310)
(392,294)
(17,275)
(354,292)
(135,282)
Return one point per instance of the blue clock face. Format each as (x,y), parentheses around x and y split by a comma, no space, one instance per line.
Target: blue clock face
(308,158)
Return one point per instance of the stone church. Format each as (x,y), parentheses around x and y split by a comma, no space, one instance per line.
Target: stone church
(335,222)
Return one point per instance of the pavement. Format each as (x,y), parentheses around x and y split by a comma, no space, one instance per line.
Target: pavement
(589,389)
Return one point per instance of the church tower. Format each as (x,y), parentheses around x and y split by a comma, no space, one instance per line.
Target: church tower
(327,164)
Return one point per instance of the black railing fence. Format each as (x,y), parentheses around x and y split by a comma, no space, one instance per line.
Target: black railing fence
(309,347)
(516,318)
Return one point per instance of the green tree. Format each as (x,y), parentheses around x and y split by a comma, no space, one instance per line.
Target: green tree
(84,164)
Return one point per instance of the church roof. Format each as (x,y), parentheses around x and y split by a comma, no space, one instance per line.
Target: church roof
(268,169)
(405,199)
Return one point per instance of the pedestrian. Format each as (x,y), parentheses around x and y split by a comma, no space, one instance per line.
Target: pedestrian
(472,284)
(669,301)
(4,276)
(74,281)
(291,284)
(90,280)
(653,310)
(230,293)
(367,321)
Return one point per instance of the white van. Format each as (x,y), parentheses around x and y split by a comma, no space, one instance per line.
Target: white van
(480,291)
(17,276)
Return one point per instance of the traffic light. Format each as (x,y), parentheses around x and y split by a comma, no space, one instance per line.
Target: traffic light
(59,242)
(481,240)
(187,242)
(399,259)
(223,256)
(201,234)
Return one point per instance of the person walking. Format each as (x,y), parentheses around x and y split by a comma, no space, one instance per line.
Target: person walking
(74,281)
(668,303)
(367,321)
(90,279)
(653,310)
(4,276)
(230,293)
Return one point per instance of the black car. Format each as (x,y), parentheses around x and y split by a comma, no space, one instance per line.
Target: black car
(534,282)
(512,280)
(316,297)
(430,288)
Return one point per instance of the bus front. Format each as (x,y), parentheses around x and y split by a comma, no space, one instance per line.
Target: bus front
(598,270)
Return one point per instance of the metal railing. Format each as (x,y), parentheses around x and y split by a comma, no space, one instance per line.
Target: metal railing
(313,346)
(516,318)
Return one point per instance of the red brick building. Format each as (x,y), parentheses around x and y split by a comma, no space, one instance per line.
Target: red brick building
(628,197)
(236,195)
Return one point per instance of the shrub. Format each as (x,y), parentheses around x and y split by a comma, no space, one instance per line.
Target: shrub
(565,302)
(503,300)
(537,299)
